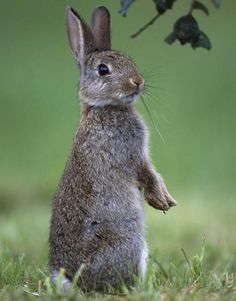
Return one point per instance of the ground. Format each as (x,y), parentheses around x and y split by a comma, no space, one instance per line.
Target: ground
(192,102)
(192,255)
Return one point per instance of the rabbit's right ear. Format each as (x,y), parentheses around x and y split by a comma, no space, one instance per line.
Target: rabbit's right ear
(101,28)
(80,36)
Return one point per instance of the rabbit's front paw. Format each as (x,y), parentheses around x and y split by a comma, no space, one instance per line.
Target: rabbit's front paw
(170,200)
(157,200)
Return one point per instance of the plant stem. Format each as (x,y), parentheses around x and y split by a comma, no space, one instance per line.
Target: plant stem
(146,26)
(191,7)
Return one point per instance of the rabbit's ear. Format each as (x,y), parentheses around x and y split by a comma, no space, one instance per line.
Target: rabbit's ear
(80,36)
(101,28)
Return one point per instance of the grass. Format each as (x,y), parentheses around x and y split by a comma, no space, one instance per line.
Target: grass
(192,256)
(196,116)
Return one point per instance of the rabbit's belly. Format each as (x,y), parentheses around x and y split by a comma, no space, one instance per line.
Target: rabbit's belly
(119,251)
(144,259)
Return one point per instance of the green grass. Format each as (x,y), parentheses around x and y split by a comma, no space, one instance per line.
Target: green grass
(195,104)
(192,256)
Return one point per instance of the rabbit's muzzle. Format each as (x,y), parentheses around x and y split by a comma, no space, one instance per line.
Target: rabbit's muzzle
(137,82)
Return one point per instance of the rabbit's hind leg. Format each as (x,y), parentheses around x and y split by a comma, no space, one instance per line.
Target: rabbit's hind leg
(117,265)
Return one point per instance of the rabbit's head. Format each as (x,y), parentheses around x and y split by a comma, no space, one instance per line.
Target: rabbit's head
(107,77)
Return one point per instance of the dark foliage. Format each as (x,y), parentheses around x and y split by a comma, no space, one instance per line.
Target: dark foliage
(200,6)
(186,29)
(125,4)
(163,5)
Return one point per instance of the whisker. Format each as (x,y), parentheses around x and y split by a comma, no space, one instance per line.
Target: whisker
(154,87)
(153,76)
(155,102)
(165,118)
(154,72)
(156,114)
(154,69)
(152,120)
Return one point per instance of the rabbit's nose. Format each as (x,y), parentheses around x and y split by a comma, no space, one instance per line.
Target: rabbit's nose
(138,82)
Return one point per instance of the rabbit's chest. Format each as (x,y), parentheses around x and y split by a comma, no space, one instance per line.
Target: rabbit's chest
(122,142)
(113,144)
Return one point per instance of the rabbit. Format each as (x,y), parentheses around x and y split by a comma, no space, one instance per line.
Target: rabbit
(97,214)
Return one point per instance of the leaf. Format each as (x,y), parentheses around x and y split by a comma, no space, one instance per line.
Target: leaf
(202,41)
(200,6)
(163,5)
(124,5)
(169,3)
(170,39)
(186,29)
(160,6)
(216,3)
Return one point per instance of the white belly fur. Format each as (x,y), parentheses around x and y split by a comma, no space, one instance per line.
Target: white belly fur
(65,284)
(143,260)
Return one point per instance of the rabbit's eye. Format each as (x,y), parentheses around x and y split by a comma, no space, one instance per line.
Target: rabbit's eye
(103,69)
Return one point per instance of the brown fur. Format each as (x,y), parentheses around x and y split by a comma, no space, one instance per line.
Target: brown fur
(97,215)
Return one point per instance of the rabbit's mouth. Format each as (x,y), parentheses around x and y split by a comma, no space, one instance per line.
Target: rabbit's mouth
(139,85)
(131,97)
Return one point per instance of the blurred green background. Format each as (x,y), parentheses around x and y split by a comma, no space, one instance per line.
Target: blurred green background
(195,113)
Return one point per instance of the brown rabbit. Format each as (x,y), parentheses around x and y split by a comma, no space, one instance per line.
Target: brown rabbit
(97,214)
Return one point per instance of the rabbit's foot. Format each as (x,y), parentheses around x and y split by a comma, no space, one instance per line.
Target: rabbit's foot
(157,200)
(65,282)
(170,200)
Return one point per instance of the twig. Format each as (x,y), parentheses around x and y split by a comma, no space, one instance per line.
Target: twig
(146,26)
(191,7)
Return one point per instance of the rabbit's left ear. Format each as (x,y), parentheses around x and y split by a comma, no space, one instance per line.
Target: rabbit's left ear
(80,36)
(101,28)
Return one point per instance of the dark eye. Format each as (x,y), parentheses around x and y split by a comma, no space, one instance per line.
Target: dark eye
(103,69)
